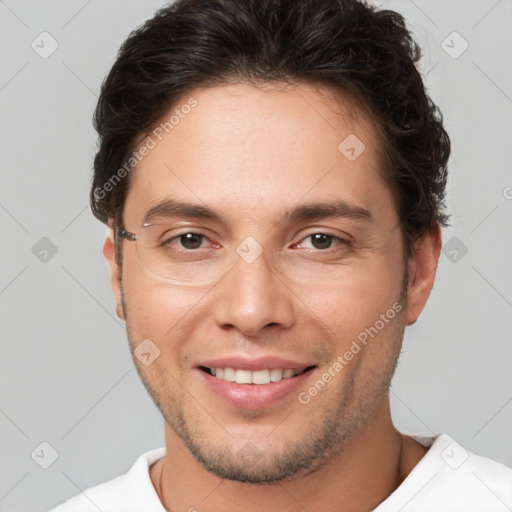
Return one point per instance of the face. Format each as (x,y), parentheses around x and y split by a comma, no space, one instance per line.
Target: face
(283,251)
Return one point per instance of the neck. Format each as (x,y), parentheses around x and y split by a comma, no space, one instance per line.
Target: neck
(371,465)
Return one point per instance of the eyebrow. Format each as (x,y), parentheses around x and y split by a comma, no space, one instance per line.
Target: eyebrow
(304,212)
(175,208)
(318,211)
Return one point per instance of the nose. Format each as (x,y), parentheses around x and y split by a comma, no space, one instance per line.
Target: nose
(252,297)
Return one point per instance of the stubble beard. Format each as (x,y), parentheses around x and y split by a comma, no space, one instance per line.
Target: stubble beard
(325,438)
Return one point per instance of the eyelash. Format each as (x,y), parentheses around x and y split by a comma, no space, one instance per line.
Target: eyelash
(341,241)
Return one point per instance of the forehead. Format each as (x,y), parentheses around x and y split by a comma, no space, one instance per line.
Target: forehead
(254,152)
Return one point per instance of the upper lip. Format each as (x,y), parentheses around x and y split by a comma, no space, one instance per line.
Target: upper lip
(254,363)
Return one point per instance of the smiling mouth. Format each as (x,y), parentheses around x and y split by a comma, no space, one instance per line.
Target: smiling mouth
(258,377)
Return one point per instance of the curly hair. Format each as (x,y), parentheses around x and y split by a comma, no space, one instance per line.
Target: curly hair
(345,44)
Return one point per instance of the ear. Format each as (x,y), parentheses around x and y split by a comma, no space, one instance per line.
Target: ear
(109,251)
(422,272)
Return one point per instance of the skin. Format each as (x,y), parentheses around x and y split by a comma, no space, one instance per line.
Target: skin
(250,154)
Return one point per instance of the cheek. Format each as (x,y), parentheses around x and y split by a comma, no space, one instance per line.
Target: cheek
(158,311)
(357,301)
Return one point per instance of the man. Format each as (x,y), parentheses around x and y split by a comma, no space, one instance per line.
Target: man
(272,175)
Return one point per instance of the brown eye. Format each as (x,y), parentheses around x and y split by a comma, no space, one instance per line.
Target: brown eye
(186,241)
(191,240)
(323,243)
(321,240)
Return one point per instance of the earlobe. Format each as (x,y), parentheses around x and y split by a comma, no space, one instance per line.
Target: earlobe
(109,251)
(422,272)
(119,311)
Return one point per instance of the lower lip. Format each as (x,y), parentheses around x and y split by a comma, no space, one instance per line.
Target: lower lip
(254,396)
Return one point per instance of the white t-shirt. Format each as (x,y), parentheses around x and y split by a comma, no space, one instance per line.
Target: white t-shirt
(448,478)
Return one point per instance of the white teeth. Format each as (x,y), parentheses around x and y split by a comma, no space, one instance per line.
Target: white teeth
(261,377)
(276,374)
(229,374)
(243,377)
(256,377)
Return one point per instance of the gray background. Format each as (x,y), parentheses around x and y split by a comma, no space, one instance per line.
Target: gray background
(66,374)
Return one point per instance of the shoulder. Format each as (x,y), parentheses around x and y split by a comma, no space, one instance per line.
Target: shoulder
(451,478)
(127,492)
(97,497)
